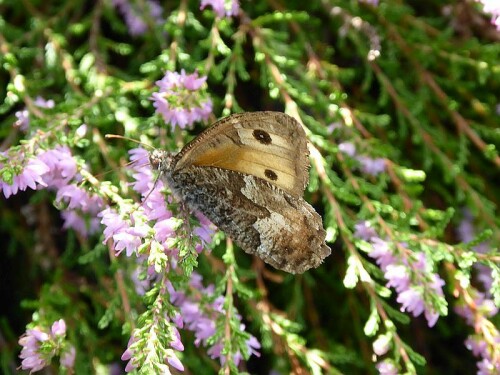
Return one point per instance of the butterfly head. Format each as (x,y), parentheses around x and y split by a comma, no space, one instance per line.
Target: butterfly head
(161,160)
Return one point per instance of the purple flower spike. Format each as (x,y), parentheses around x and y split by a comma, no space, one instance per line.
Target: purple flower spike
(371,166)
(222,8)
(180,100)
(134,16)
(32,176)
(39,347)
(58,328)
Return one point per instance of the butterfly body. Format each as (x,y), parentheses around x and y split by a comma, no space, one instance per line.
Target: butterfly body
(247,174)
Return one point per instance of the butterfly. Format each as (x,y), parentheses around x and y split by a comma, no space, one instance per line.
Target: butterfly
(247,174)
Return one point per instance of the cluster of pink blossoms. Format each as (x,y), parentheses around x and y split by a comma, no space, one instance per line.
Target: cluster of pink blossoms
(410,277)
(134,16)
(418,289)
(23,116)
(152,221)
(34,358)
(198,317)
(222,8)
(489,363)
(492,7)
(172,359)
(368,165)
(201,318)
(180,101)
(482,306)
(56,170)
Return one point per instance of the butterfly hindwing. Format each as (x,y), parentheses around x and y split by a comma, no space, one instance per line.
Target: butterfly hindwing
(282,230)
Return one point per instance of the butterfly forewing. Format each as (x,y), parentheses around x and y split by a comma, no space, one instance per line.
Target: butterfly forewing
(268,145)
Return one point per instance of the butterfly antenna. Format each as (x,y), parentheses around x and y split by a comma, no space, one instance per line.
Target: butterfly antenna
(108,136)
(132,162)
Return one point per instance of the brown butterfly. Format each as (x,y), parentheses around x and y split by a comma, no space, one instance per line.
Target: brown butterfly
(247,174)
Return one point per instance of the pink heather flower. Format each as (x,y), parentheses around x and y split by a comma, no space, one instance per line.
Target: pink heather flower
(74,196)
(42,103)
(487,367)
(128,240)
(112,221)
(484,306)
(201,318)
(30,176)
(81,131)
(141,172)
(23,116)
(492,7)
(136,25)
(397,277)
(176,342)
(155,206)
(400,274)
(128,354)
(364,230)
(347,148)
(34,358)
(56,169)
(371,2)
(125,235)
(228,8)
(74,220)
(165,229)
(196,281)
(381,345)
(477,346)
(58,328)
(204,328)
(382,253)
(180,101)
(130,366)
(80,203)
(62,164)
(253,345)
(371,166)
(31,356)
(134,16)
(173,81)
(68,357)
(386,368)
(23,120)
(206,229)
(178,321)
(411,301)
(215,351)
(466,233)
(174,361)
(334,126)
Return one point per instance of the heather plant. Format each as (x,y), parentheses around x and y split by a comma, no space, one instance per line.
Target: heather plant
(104,271)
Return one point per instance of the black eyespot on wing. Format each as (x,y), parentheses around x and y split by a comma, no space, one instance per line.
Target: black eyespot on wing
(262,136)
(271,175)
